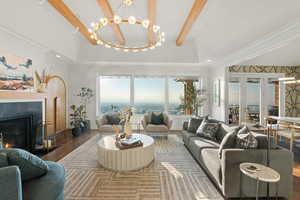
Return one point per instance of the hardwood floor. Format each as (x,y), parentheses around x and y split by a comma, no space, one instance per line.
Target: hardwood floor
(68,143)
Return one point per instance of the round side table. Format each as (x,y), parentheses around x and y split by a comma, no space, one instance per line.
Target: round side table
(260,173)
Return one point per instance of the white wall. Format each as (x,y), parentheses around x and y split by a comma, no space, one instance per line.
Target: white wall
(41,58)
(85,76)
(218,112)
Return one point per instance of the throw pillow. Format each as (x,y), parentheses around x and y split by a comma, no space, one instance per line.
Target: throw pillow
(3,160)
(243,130)
(157,119)
(228,142)
(208,130)
(224,130)
(194,124)
(247,141)
(113,119)
(30,165)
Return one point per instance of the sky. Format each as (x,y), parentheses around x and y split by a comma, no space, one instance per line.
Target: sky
(147,90)
(253,93)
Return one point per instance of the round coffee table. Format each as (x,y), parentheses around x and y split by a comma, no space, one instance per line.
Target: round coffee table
(111,157)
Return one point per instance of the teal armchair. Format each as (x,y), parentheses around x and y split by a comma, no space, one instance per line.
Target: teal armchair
(47,187)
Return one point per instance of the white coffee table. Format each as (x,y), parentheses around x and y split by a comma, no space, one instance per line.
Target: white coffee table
(111,157)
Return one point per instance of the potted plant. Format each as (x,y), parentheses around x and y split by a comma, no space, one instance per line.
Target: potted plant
(76,120)
(86,95)
(196,101)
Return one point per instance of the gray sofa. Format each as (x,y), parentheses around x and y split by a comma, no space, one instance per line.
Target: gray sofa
(225,172)
(47,187)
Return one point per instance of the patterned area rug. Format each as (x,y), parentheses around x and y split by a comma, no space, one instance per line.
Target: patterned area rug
(174,175)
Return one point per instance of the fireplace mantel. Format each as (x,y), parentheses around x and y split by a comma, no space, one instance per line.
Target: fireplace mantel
(21,95)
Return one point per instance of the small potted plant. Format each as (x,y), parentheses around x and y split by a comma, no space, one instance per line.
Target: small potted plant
(76,120)
(86,95)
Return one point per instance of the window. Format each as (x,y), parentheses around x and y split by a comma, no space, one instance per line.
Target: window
(253,101)
(176,95)
(145,94)
(114,94)
(234,101)
(149,95)
(273,97)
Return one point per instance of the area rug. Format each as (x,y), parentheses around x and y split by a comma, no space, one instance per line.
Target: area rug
(174,175)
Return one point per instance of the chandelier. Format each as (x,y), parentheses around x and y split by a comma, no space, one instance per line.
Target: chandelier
(96,27)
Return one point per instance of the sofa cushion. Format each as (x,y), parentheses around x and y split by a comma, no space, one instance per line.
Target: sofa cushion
(186,137)
(157,128)
(157,118)
(194,124)
(208,130)
(223,130)
(48,187)
(209,159)
(197,144)
(3,160)
(228,142)
(30,165)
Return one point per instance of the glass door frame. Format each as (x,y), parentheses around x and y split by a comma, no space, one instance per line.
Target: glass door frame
(263,94)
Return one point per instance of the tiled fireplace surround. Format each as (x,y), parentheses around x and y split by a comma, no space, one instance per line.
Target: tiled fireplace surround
(21,123)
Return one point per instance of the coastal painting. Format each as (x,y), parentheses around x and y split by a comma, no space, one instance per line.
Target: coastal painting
(15,73)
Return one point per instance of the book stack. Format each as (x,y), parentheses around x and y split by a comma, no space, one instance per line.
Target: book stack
(128,143)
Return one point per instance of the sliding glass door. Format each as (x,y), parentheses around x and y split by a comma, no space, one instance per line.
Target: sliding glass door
(252,115)
(253,96)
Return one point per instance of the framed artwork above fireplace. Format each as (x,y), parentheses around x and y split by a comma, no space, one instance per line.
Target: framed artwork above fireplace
(15,73)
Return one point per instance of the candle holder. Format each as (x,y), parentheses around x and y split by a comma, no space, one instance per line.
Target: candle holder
(1,141)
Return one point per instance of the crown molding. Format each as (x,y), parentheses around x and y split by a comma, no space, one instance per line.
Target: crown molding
(268,43)
(116,63)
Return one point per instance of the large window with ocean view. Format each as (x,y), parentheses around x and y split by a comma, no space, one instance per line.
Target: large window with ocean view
(114,94)
(149,95)
(143,93)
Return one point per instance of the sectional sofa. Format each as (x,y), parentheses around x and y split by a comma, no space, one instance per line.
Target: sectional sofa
(224,172)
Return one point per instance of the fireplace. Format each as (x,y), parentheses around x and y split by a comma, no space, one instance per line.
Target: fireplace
(17,131)
(21,124)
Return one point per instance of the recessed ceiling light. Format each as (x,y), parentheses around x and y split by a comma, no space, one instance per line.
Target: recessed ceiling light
(209,60)
(58,56)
